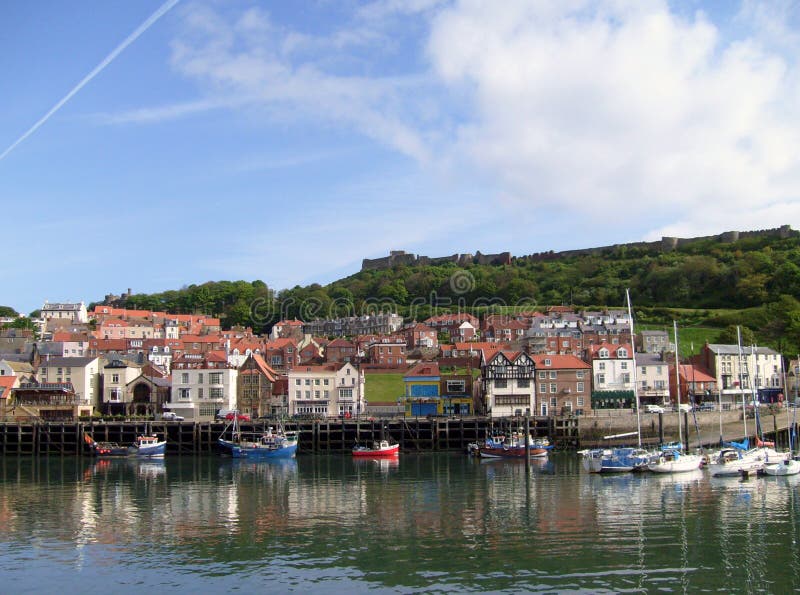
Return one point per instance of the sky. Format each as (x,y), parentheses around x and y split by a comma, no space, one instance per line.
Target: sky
(156,144)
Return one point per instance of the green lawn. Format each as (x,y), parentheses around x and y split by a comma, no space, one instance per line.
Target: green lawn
(383,388)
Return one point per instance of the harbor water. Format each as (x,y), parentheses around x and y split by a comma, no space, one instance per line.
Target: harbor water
(434,523)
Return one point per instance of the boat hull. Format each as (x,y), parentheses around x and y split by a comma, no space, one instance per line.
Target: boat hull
(392,450)
(514,452)
(682,464)
(150,451)
(258,452)
(790,467)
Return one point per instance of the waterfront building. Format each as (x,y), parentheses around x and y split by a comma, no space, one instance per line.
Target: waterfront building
(255,389)
(83,373)
(508,380)
(741,373)
(654,378)
(612,375)
(202,384)
(564,381)
(327,390)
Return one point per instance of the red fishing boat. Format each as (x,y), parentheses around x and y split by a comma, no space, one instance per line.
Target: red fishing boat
(378,449)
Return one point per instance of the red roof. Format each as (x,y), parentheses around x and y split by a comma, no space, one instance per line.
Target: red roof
(424,369)
(559,362)
(6,383)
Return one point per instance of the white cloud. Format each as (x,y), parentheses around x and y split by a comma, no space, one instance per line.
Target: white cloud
(623,109)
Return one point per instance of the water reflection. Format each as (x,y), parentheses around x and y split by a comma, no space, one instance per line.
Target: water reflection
(420,522)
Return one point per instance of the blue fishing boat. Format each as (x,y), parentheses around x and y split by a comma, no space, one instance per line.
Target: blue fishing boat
(272,444)
(615,460)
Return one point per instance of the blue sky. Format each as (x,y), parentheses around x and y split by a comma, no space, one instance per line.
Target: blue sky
(207,140)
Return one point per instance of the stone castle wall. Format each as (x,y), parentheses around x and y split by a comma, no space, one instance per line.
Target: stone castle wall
(666,244)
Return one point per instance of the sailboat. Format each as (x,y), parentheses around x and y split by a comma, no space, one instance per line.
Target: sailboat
(736,458)
(621,460)
(788,465)
(672,458)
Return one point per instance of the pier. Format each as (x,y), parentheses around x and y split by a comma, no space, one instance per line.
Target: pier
(316,436)
(414,434)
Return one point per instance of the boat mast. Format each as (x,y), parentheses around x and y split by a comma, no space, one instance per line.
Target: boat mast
(635,383)
(678,384)
(741,386)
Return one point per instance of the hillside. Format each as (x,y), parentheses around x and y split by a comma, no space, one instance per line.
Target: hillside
(754,281)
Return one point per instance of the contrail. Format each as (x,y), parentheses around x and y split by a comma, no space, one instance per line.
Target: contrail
(166,7)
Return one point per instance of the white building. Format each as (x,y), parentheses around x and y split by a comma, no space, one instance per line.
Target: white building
(509,385)
(653,377)
(742,373)
(613,376)
(330,390)
(68,311)
(202,385)
(82,372)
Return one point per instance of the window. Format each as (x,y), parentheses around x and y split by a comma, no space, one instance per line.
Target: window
(553,387)
(215,378)
(316,381)
(116,395)
(542,388)
(114,378)
(553,402)
(316,394)
(456,386)
(622,352)
(547,362)
(200,393)
(623,365)
(346,393)
(215,393)
(553,375)
(297,382)
(185,378)
(603,353)
(644,371)
(184,394)
(297,394)
(626,378)
(523,383)
(501,383)
(542,375)
(308,394)
(579,374)
(200,378)
(601,366)
(580,387)
(326,381)
(579,401)
(601,379)
(308,381)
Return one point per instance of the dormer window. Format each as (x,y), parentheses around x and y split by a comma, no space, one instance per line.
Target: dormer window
(622,352)
(547,362)
(603,353)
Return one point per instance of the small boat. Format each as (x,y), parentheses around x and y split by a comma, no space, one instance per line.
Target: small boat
(377,450)
(148,447)
(787,466)
(514,447)
(672,460)
(733,462)
(110,449)
(615,460)
(272,444)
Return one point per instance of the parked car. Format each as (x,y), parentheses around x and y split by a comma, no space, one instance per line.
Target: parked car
(683,407)
(240,416)
(707,407)
(653,409)
(172,416)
